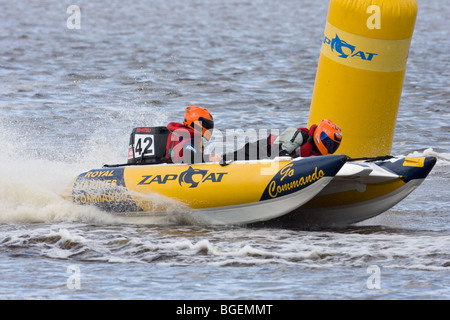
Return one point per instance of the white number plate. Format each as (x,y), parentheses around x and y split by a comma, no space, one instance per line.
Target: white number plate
(144,144)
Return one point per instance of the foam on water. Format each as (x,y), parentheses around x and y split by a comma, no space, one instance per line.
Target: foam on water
(212,247)
(443,159)
(34,173)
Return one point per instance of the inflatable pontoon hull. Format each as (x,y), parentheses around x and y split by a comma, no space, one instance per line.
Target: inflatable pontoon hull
(237,194)
(360,191)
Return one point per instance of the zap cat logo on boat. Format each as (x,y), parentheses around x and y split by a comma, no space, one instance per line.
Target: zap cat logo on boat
(190,178)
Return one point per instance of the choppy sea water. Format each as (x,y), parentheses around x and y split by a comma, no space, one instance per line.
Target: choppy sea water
(70,97)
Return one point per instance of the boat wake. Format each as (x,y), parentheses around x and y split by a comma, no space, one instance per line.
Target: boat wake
(167,246)
(31,188)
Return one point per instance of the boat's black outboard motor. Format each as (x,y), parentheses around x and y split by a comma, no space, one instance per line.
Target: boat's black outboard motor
(148,145)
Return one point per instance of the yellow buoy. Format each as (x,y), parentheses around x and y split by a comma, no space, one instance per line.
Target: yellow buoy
(361,70)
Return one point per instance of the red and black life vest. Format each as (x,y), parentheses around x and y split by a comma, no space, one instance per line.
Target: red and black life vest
(179,136)
(306,149)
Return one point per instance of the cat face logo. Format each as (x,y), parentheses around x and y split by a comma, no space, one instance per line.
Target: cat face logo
(338,45)
(192,176)
(346,50)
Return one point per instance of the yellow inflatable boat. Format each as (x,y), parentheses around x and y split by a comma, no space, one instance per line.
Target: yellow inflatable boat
(327,191)
(236,194)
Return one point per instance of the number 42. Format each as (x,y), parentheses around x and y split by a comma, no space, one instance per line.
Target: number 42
(144,145)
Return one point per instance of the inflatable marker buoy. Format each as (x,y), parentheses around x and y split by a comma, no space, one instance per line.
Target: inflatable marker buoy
(361,71)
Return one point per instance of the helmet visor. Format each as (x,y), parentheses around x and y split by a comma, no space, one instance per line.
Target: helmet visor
(206,123)
(329,143)
(204,126)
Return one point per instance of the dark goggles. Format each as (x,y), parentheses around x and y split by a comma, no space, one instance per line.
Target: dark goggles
(329,143)
(207,124)
(203,125)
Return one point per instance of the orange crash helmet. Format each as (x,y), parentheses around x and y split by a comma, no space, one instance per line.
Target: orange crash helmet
(199,119)
(327,137)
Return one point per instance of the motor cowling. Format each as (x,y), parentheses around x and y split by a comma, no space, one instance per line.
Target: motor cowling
(148,145)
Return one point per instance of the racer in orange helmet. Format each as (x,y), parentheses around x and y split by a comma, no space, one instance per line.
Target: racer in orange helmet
(327,137)
(322,139)
(199,119)
(184,144)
